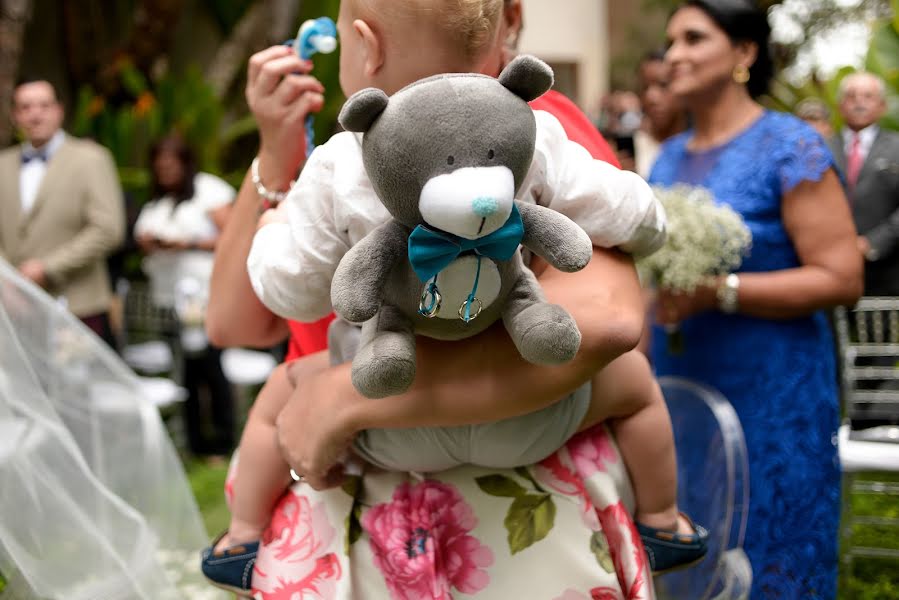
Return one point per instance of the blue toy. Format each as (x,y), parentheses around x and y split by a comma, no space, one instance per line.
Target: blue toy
(315,36)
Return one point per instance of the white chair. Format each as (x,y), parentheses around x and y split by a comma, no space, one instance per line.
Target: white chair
(147,337)
(713,487)
(868,343)
(244,368)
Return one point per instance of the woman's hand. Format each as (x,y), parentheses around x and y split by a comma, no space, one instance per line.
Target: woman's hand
(281,95)
(314,432)
(673,307)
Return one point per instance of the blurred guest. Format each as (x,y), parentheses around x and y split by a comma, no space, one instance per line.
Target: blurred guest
(869,159)
(177,231)
(627,117)
(663,114)
(761,336)
(62,207)
(815,112)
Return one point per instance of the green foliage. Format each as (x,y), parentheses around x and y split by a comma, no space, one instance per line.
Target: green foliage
(882,60)
(129,126)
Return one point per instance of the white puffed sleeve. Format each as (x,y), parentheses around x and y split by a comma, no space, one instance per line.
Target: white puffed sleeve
(616,208)
(291,263)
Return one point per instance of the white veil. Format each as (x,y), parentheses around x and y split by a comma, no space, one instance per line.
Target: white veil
(94,502)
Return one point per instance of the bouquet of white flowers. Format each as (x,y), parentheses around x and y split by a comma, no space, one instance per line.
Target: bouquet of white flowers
(705,240)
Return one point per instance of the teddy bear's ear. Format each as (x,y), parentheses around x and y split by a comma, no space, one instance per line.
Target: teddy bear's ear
(362,108)
(527,77)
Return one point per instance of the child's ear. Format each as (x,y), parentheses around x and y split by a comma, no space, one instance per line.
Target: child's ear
(361,109)
(372,47)
(527,77)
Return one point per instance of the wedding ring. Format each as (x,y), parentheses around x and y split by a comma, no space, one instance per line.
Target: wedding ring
(472,316)
(429,304)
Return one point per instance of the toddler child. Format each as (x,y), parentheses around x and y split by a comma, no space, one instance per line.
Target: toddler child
(389,44)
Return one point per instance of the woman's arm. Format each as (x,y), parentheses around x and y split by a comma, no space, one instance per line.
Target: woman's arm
(280,97)
(474,380)
(817,218)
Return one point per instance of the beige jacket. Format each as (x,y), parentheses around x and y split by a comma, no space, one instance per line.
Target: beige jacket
(76,221)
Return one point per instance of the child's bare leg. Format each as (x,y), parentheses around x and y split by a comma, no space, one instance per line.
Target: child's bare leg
(262,474)
(627,395)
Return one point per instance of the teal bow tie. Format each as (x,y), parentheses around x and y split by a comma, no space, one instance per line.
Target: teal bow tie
(432,251)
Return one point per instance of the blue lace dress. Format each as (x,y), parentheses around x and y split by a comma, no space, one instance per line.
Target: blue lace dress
(778,374)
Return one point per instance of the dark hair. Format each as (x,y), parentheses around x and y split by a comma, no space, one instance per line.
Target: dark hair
(26,79)
(744,21)
(176,145)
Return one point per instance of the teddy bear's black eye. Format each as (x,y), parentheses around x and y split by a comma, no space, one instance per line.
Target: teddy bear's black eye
(490,154)
(450,159)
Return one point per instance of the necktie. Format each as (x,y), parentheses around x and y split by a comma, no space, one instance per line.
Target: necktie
(854,161)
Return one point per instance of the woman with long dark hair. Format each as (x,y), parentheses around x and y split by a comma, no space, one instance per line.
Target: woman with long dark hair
(177,232)
(760,335)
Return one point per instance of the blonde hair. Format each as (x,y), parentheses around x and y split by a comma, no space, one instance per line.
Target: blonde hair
(469,26)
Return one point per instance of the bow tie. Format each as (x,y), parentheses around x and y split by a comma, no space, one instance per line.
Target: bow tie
(30,156)
(432,251)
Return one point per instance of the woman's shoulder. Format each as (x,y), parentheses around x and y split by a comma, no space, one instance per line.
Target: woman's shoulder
(212,188)
(789,127)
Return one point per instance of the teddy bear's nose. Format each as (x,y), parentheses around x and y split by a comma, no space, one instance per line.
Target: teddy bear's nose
(484,206)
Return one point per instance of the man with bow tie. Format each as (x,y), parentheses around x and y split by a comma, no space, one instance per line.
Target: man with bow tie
(868,157)
(61,207)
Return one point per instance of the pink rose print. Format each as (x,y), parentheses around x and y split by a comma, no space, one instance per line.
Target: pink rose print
(623,537)
(300,537)
(557,473)
(592,451)
(421,543)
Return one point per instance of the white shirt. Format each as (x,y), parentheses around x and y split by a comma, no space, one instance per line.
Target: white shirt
(333,206)
(866,139)
(31,174)
(187,221)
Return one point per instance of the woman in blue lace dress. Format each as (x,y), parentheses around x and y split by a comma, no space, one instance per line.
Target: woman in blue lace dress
(760,336)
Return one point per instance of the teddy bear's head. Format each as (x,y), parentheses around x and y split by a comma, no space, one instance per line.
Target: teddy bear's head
(450,151)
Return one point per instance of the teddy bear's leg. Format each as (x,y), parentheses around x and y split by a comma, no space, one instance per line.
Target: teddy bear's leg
(385,363)
(544,333)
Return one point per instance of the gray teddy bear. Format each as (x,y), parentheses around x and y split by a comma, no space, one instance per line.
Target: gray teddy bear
(446,156)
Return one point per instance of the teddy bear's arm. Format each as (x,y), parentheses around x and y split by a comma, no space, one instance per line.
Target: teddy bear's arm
(555,237)
(358,285)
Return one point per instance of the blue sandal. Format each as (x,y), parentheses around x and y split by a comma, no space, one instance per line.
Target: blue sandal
(230,568)
(670,551)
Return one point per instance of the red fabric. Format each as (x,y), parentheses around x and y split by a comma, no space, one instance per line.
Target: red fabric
(576,125)
(308,338)
(854,161)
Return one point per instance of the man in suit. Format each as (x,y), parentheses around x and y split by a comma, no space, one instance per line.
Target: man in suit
(61,208)
(868,156)
(869,160)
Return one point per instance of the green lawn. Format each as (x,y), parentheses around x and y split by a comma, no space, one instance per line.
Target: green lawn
(870,580)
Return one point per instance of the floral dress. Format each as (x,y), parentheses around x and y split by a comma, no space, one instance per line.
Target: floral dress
(559,530)
(778,374)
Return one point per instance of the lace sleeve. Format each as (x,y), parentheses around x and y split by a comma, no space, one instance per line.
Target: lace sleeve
(805,155)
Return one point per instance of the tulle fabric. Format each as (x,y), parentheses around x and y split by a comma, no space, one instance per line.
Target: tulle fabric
(94,502)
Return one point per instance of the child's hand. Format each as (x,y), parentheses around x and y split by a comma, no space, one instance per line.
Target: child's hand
(272,215)
(281,95)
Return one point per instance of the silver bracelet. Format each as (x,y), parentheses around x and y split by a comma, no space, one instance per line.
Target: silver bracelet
(264,192)
(728,294)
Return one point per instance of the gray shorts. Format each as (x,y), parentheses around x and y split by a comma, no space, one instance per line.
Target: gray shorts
(514,442)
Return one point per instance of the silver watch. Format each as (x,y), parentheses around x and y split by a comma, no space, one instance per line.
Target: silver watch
(728,294)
